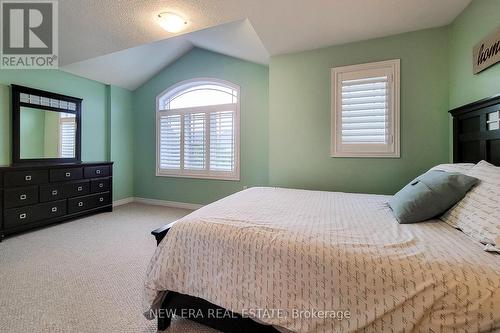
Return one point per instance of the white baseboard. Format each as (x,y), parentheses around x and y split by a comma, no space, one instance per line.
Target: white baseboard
(123,201)
(173,204)
(156,202)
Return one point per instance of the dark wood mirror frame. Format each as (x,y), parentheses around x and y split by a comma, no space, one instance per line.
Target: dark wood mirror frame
(16,123)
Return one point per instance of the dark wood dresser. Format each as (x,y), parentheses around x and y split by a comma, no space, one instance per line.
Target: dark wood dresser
(36,195)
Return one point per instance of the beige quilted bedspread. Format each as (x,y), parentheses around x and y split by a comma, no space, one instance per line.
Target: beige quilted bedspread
(298,252)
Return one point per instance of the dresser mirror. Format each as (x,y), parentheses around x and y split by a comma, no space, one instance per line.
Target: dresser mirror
(46,126)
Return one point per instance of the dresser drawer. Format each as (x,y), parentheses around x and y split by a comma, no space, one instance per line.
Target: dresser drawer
(96,171)
(52,209)
(99,185)
(51,192)
(21,196)
(88,202)
(18,216)
(25,178)
(24,215)
(76,189)
(60,175)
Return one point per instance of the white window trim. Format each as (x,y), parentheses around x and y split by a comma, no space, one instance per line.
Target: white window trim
(338,149)
(199,174)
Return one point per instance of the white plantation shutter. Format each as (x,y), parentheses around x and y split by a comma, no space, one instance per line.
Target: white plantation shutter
(365,110)
(194,141)
(198,131)
(170,136)
(222,141)
(67,137)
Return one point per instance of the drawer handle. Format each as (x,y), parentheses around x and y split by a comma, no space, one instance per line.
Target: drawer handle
(80,204)
(54,192)
(98,171)
(79,188)
(101,199)
(68,174)
(101,185)
(22,197)
(22,216)
(54,209)
(27,178)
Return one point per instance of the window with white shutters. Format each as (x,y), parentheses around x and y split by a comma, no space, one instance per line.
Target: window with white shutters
(67,135)
(194,141)
(170,136)
(198,130)
(365,110)
(222,141)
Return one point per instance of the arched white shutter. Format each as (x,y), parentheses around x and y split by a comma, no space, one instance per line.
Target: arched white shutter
(198,130)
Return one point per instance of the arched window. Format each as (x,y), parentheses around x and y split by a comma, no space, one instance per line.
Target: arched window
(197,128)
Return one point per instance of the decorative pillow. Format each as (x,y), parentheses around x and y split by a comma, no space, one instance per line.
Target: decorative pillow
(478,214)
(454,167)
(429,195)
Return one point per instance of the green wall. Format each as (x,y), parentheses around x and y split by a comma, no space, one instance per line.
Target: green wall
(5,124)
(32,136)
(299,115)
(253,80)
(51,136)
(477,21)
(121,141)
(101,104)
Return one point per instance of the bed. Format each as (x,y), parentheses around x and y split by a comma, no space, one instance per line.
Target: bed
(296,253)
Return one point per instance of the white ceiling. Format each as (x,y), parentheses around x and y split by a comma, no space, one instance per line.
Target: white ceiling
(132,67)
(92,28)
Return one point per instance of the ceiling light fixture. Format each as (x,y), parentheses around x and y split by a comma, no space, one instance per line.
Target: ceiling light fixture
(171,22)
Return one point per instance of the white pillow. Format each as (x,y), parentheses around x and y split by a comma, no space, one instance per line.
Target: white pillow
(478,214)
(455,167)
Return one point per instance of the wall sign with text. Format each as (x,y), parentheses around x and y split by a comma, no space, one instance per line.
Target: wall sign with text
(486,53)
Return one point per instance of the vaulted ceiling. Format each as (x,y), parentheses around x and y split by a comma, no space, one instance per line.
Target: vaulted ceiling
(132,67)
(101,38)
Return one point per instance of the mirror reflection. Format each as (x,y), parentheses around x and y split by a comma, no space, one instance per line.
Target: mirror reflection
(47,134)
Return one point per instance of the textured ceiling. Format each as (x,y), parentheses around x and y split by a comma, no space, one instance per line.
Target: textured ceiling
(92,28)
(132,67)
(89,28)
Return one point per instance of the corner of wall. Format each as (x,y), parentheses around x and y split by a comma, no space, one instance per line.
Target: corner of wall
(474,23)
(120,140)
(108,122)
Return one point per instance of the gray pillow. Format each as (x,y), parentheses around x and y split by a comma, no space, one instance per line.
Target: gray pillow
(430,195)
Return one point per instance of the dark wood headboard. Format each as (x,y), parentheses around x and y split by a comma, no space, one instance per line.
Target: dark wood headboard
(476,133)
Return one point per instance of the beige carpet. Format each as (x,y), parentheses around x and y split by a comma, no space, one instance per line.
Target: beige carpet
(83,276)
